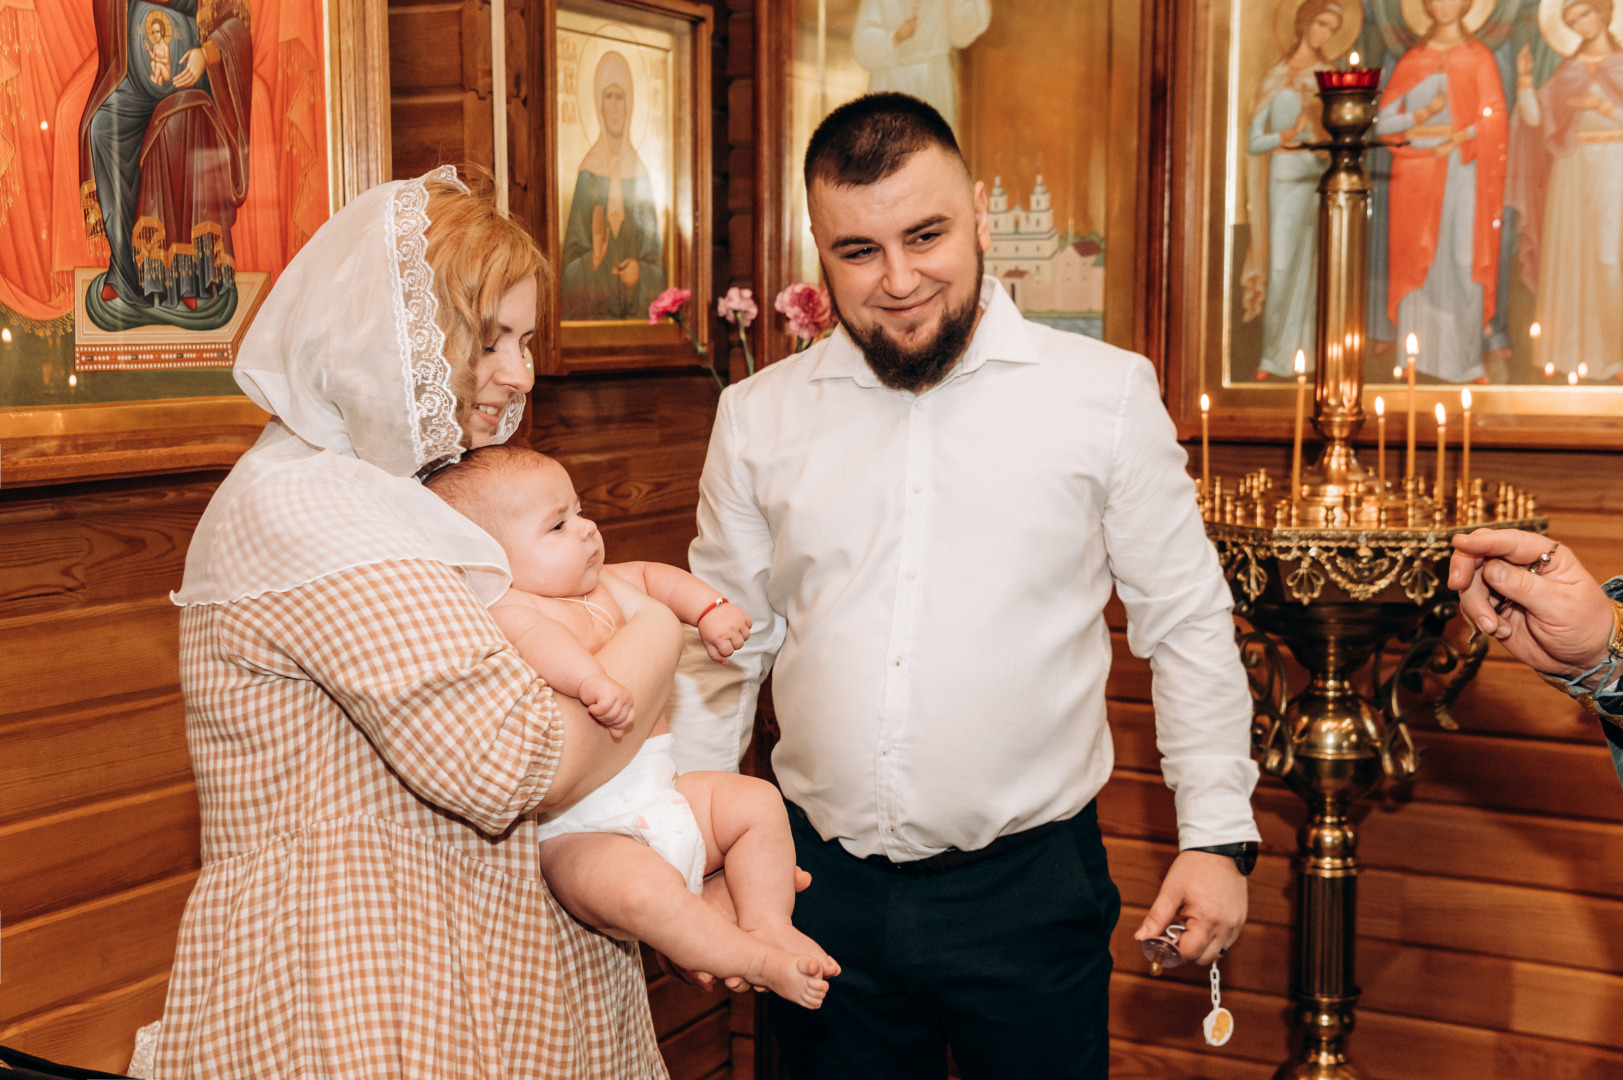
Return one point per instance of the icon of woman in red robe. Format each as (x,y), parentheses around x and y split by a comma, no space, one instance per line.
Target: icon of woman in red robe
(1447,190)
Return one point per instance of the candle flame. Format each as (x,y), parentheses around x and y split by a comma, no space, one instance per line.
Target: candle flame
(1535,330)
(5,335)
(1301,362)
(1205,403)
(1549,369)
(1413,344)
(1442,415)
(1397,372)
(1583,370)
(73,380)
(1572,378)
(1380,406)
(1352,60)
(1465,400)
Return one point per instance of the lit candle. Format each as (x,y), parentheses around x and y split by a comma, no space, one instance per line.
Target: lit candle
(1414,348)
(1442,450)
(1380,442)
(1549,369)
(1352,60)
(1205,444)
(1301,407)
(1583,370)
(1535,332)
(1465,443)
(1572,378)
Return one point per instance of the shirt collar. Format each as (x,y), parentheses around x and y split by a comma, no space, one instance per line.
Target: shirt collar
(1001,335)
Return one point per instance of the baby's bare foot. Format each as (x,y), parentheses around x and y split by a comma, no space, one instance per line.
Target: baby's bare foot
(794,978)
(784,936)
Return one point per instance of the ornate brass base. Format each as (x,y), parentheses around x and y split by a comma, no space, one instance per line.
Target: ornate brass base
(1338,598)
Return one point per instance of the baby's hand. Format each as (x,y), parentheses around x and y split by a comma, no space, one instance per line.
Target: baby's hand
(609,703)
(723,630)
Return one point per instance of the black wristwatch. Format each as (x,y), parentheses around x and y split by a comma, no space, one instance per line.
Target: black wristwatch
(1244,855)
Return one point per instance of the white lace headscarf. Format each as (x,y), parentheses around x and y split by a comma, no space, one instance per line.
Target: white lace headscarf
(348,357)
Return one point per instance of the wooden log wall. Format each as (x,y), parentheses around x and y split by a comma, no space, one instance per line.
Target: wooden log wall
(1492,889)
(98,813)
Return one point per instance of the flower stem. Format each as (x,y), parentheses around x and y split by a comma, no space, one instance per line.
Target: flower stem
(749,356)
(704,354)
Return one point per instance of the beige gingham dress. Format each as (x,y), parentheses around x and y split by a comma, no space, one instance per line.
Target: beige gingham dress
(368,751)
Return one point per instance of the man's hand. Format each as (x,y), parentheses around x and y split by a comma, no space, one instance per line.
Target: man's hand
(717,896)
(1558,621)
(724,630)
(609,703)
(629,272)
(1205,892)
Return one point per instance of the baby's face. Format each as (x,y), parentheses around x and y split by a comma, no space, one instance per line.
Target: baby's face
(155,34)
(552,550)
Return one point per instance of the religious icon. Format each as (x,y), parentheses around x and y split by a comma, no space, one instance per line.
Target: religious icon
(1447,189)
(614,259)
(161,161)
(163,164)
(1277,280)
(614,89)
(1566,182)
(907,46)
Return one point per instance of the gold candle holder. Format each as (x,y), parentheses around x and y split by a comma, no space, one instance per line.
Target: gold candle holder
(1345,581)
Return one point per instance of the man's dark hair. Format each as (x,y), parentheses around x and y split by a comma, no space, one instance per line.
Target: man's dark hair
(865,140)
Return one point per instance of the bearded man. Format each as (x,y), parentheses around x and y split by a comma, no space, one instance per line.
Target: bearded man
(925,516)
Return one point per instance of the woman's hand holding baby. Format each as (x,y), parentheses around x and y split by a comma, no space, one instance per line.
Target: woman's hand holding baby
(723,629)
(609,703)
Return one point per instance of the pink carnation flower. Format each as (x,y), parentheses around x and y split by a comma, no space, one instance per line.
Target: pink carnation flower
(808,310)
(738,306)
(667,304)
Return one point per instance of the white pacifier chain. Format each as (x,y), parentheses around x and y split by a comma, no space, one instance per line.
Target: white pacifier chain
(1219,1023)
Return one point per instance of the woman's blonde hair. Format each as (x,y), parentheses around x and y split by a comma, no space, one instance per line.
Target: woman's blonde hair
(477,256)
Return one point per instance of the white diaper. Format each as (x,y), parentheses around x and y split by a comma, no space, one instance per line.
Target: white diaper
(641,801)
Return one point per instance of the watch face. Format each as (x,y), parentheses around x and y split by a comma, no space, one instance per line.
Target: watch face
(1246,860)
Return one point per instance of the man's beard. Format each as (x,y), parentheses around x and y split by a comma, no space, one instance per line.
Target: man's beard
(918,368)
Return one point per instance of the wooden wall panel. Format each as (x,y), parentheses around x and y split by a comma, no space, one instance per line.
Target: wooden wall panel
(98,815)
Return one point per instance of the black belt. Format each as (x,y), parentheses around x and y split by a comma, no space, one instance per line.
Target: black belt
(953,858)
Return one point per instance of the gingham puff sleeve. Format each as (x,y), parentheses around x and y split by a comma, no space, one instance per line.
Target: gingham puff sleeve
(419,666)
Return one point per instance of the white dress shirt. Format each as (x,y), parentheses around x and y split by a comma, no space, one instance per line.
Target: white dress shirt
(930,573)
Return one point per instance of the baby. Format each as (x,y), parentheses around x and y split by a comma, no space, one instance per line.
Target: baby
(646,827)
(158,33)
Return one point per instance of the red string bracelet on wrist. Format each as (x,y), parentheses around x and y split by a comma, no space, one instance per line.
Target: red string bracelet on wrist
(714,604)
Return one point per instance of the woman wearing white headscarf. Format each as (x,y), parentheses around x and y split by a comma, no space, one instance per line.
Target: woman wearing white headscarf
(613,253)
(369,750)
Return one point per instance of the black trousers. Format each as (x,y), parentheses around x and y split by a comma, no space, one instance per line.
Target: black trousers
(1007,960)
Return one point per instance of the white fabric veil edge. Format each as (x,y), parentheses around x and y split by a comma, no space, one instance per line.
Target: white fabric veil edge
(291,513)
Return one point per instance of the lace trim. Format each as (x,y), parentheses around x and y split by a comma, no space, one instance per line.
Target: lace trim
(435,433)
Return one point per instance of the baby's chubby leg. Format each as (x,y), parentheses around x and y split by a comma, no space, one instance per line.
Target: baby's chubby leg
(746,828)
(615,883)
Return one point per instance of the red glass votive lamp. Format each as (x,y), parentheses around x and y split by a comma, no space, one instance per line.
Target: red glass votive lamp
(1352,79)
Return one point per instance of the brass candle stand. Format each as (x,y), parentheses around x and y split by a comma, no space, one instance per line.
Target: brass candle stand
(1349,574)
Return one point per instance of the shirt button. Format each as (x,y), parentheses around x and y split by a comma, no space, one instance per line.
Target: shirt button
(885,751)
(911,576)
(897,660)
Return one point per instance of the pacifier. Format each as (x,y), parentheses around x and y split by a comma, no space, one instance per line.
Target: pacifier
(1162,952)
